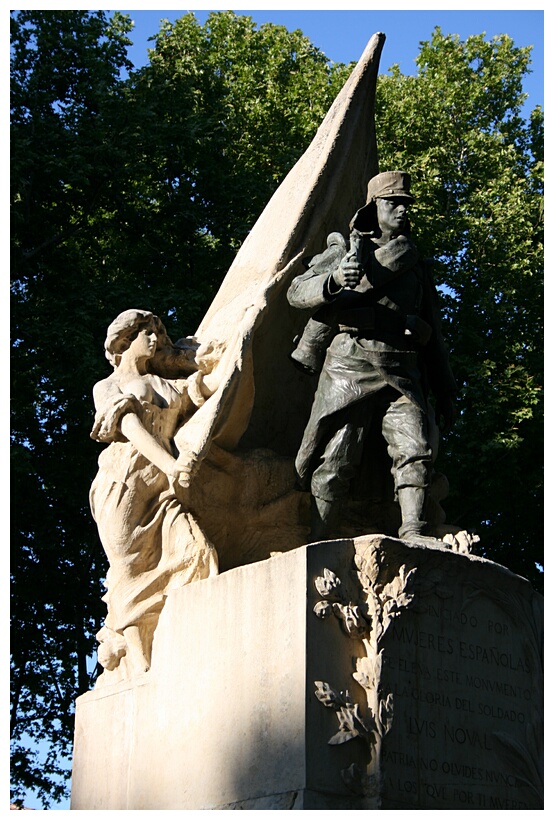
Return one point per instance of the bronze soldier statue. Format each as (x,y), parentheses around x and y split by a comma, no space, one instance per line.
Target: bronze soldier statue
(375,335)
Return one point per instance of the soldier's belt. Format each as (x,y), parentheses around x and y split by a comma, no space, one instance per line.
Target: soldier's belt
(361,321)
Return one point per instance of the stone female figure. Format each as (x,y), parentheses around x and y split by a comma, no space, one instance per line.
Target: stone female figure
(138,498)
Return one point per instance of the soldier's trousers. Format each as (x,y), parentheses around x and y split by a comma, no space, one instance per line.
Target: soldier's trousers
(405,428)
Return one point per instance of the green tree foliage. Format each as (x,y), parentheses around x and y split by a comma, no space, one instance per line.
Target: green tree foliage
(65,75)
(125,192)
(477,168)
(136,191)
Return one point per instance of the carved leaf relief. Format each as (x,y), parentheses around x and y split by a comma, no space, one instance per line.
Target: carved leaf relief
(368,672)
(323,609)
(347,727)
(353,622)
(367,620)
(330,697)
(386,713)
(360,783)
(351,723)
(328,585)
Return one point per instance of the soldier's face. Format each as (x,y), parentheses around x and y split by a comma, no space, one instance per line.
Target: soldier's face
(392,213)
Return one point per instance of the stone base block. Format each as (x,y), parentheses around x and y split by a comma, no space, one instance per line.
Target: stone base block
(363,673)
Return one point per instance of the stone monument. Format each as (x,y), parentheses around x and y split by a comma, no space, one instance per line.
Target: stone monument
(266,647)
(351,674)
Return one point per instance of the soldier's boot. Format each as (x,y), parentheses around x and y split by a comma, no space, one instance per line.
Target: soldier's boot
(412,502)
(324,518)
(412,506)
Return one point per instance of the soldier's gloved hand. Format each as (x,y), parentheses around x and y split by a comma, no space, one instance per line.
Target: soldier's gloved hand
(349,273)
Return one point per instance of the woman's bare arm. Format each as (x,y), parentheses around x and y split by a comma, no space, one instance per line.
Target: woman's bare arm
(133,430)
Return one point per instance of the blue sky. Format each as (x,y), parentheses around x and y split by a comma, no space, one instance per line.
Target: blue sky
(343,35)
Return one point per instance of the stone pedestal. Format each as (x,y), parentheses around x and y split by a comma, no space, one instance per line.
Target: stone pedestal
(362,673)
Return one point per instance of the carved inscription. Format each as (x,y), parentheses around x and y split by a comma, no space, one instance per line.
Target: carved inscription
(461,682)
(447,679)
